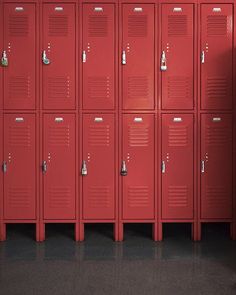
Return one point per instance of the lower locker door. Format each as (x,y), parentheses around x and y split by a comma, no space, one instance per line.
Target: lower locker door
(99,163)
(216,166)
(177,166)
(19,166)
(59,166)
(138,159)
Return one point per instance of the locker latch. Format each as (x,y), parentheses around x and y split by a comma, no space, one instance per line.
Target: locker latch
(84,57)
(84,170)
(123,171)
(202,166)
(45,59)
(4,167)
(203,57)
(123,57)
(44,167)
(163,167)
(4,59)
(163,61)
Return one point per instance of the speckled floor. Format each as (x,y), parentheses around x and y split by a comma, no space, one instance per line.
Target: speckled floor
(100,266)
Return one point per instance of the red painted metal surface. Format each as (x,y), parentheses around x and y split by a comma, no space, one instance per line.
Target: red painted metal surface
(177,166)
(19,166)
(216,167)
(59,46)
(19,83)
(98,56)
(137,56)
(216,56)
(59,172)
(99,156)
(138,154)
(178,48)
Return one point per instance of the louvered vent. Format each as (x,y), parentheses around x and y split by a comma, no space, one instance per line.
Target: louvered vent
(58,88)
(19,197)
(19,87)
(217,88)
(20,136)
(98,25)
(138,135)
(99,87)
(99,197)
(177,25)
(138,87)
(59,197)
(99,135)
(216,196)
(59,136)
(178,196)
(217,135)
(18,25)
(178,136)
(138,196)
(179,88)
(217,25)
(137,25)
(58,25)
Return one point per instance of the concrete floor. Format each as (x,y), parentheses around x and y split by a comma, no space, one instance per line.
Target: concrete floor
(138,266)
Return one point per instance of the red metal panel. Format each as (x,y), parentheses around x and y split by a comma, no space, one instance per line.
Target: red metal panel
(99,154)
(98,56)
(216,170)
(217,56)
(19,44)
(138,56)
(177,166)
(20,174)
(59,46)
(177,44)
(138,153)
(59,178)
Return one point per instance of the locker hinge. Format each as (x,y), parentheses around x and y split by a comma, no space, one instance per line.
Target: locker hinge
(123,57)
(84,170)
(163,167)
(44,167)
(84,56)
(45,59)
(163,61)
(124,170)
(4,59)
(202,166)
(203,57)
(4,167)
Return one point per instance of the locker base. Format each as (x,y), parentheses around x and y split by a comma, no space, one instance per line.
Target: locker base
(3,232)
(233,231)
(194,231)
(41,230)
(155,230)
(232,228)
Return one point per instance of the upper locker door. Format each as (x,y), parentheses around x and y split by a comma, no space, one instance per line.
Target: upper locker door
(98,56)
(18,56)
(138,56)
(177,166)
(216,56)
(99,157)
(177,56)
(19,166)
(216,166)
(59,166)
(58,56)
(138,166)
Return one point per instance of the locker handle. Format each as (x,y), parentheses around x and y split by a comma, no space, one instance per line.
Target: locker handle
(124,57)
(124,170)
(4,59)
(202,166)
(203,57)
(44,167)
(45,59)
(163,61)
(4,166)
(84,56)
(84,170)
(163,167)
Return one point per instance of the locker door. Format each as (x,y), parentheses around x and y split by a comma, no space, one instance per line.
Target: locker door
(138,157)
(59,166)
(58,56)
(19,47)
(98,56)
(177,48)
(99,157)
(20,168)
(138,56)
(177,166)
(216,56)
(216,166)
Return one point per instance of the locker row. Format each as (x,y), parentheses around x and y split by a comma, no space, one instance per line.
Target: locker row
(150,171)
(62,58)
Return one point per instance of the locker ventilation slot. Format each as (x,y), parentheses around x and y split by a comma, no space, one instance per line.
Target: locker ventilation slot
(178,196)
(58,88)
(178,136)
(138,135)
(59,197)
(19,87)
(20,136)
(217,25)
(99,135)
(217,196)
(217,88)
(217,135)
(177,25)
(98,26)
(138,196)
(137,25)
(99,197)
(19,197)
(59,136)
(179,88)
(18,25)
(58,25)
(98,87)
(138,87)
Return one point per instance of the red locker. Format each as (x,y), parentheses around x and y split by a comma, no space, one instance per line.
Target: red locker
(58,166)
(98,168)
(18,56)
(58,56)
(216,56)
(216,166)
(98,56)
(137,168)
(177,166)
(177,56)
(138,56)
(19,166)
